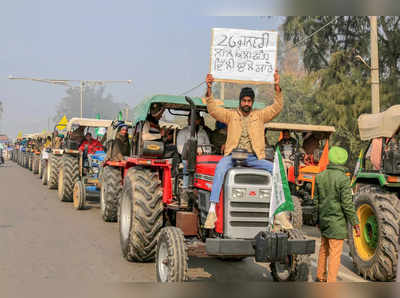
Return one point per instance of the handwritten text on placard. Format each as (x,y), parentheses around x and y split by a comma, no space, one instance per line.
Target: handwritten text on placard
(243,55)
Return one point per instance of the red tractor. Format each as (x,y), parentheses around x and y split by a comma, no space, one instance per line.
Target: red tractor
(154,224)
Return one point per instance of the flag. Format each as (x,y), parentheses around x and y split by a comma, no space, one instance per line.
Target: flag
(19,136)
(120,116)
(281,200)
(63,123)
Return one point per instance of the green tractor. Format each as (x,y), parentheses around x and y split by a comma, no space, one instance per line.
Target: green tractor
(376,186)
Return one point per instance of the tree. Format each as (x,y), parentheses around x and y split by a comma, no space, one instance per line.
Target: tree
(94,102)
(344,89)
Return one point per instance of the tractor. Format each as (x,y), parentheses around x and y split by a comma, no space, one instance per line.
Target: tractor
(37,140)
(73,165)
(302,167)
(52,163)
(45,149)
(376,187)
(154,224)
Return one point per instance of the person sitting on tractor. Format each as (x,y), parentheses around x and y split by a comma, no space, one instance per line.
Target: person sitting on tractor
(77,135)
(245,131)
(152,132)
(151,128)
(182,138)
(121,147)
(92,145)
(286,140)
(218,137)
(310,144)
(47,144)
(201,135)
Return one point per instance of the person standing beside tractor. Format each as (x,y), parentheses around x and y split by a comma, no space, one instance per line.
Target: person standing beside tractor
(334,210)
(245,131)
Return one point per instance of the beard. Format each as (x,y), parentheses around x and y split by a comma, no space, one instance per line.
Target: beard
(245,109)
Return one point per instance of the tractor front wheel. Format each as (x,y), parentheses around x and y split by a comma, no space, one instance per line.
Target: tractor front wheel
(375,253)
(295,267)
(171,256)
(79,195)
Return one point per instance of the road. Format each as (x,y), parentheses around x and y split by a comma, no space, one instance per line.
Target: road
(42,238)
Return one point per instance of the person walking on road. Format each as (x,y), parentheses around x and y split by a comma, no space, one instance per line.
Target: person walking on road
(334,210)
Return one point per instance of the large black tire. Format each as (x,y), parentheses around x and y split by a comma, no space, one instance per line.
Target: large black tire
(68,175)
(376,262)
(171,256)
(35,164)
(44,171)
(296,216)
(40,168)
(110,193)
(30,161)
(53,166)
(26,160)
(299,267)
(140,214)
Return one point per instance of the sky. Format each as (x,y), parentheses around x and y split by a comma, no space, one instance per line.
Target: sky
(163,47)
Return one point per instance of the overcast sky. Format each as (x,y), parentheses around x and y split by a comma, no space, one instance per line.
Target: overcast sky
(162,49)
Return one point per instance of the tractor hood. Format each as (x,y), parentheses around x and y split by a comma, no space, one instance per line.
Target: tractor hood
(379,125)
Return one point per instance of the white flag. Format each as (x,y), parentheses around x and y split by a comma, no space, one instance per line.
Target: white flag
(281,200)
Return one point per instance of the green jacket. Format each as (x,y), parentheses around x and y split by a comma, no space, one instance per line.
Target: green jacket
(334,204)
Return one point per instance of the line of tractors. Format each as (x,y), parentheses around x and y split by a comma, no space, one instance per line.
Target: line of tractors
(143,193)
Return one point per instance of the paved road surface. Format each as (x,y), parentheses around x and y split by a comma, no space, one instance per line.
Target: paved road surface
(42,238)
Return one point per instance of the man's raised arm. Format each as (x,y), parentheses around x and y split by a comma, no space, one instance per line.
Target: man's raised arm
(273,110)
(216,111)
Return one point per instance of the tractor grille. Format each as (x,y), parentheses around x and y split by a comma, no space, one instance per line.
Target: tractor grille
(247,195)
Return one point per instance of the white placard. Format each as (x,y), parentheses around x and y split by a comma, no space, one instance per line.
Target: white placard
(243,55)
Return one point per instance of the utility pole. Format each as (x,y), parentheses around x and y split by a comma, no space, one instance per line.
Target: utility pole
(67,83)
(374,66)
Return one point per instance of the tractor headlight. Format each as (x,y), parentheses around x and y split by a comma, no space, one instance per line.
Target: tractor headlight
(238,193)
(265,194)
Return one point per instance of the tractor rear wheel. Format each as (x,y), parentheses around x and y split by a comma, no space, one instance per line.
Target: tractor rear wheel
(35,164)
(375,253)
(69,174)
(171,256)
(140,214)
(40,173)
(296,268)
(30,162)
(110,193)
(53,165)
(44,171)
(296,216)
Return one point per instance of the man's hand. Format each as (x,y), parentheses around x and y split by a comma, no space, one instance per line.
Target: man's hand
(357,230)
(209,81)
(163,131)
(277,80)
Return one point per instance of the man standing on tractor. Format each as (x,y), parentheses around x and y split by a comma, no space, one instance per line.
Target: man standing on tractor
(334,211)
(245,131)
(93,145)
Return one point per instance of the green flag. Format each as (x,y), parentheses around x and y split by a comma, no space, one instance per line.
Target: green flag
(120,116)
(281,199)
